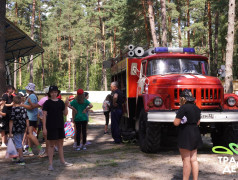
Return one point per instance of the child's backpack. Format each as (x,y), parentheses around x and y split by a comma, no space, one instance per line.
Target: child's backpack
(69,131)
(105,106)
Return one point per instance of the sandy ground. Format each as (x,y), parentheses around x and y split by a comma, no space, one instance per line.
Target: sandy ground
(104,160)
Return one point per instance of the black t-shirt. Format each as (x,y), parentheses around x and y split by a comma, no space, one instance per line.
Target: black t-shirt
(8,100)
(119,99)
(19,117)
(191,112)
(3,118)
(54,118)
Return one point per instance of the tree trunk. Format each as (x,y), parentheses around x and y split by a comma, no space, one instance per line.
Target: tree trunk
(80,70)
(111,46)
(87,71)
(104,57)
(204,40)
(19,72)
(188,24)
(9,78)
(2,46)
(170,27)
(164,26)
(42,55)
(114,42)
(73,74)
(230,47)
(96,43)
(152,23)
(102,28)
(15,73)
(216,38)
(69,63)
(146,25)
(158,22)
(32,37)
(212,64)
(179,24)
(59,42)
(15,62)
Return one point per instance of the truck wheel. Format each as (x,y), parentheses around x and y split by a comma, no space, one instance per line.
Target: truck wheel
(149,134)
(224,135)
(216,138)
(229,136)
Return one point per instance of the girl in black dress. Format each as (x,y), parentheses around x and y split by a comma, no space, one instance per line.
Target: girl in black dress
(53,125)
(189,137)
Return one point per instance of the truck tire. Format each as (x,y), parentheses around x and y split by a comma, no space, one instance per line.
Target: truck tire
(149,134)
(229,136)
(224,135)
(216,138)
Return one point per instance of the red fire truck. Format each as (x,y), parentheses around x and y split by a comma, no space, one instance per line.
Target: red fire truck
(152,84)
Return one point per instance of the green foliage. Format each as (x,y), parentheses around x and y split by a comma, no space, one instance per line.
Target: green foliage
(73,39)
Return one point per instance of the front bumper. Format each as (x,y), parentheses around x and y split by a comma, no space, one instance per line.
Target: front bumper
(207,116)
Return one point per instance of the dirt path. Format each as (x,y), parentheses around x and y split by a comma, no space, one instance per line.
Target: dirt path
(104,160)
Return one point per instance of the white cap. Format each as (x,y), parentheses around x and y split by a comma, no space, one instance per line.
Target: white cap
(30,87)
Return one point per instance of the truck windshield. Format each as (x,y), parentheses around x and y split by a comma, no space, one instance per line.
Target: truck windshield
(176,66)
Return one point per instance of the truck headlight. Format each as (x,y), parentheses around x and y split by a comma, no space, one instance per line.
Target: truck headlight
(158,101)
(231,101)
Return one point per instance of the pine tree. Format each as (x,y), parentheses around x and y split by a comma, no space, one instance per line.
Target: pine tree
(2,46)
(230,47)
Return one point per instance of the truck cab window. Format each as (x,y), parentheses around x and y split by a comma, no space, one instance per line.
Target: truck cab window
(143,69)
(176,66)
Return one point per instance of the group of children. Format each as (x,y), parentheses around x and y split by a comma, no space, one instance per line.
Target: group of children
(21,120)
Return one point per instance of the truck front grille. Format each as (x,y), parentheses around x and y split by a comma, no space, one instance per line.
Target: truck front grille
(206,98)
(178,91)
(210,94)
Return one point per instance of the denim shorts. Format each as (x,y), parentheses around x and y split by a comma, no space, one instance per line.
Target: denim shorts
(18,140)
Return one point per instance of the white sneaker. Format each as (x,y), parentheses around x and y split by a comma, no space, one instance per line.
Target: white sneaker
(41,152)
(27,153)
(25,146)
(66,164)
(75,145)
(88,143)
(3,145)
(84,147)
(50,168)
(78,148)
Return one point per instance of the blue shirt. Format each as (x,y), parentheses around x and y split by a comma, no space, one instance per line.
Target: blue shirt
(32,114)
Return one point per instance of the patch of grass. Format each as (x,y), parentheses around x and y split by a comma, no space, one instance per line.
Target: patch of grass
(97,106)
(90,120)
(72,154)
(12,169)
(122,150)
(107,162)
(108,151)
